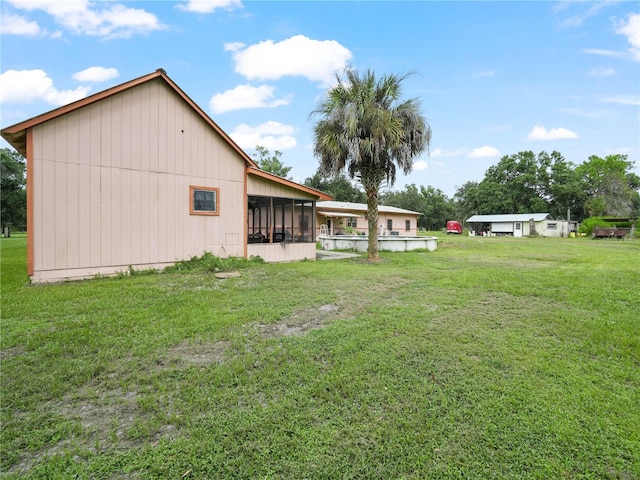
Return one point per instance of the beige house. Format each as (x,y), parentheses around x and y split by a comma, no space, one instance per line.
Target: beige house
(138,175)
(345,218)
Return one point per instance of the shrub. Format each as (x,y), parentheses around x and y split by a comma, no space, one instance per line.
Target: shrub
(590,224)
(211,263)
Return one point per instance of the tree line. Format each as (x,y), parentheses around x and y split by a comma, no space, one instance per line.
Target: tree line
(520,183)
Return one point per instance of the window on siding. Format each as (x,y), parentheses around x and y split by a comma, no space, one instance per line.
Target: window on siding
(352,222)
(389,224)
(407,225)
(204,200)
(552,226)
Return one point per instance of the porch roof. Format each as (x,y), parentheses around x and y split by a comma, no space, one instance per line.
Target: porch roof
(337,214)
(515,217)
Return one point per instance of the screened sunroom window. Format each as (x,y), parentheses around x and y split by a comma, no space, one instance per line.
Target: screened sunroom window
(280,219)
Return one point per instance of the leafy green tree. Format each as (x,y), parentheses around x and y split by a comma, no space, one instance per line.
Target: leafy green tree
(439,208)
(514,184)
(13,196)
(562,186)
(465,201)
(338,186)
(434,205)
(525,183)
(366,130)
(610,186)
(271,163)
(410,198)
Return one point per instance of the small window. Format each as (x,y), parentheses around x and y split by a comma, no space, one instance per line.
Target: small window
(407,225)
(552,226)
(352,222)
(203,200)
(389,224)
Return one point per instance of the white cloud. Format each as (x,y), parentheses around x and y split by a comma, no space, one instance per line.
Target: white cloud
(601,72)
(631,29)
(623,99)
(96,74)
(484,152)
(271,135)
(245,96)
(79,17)
(577,19)
(17,25)
(439,152)
(25,86)
(592,114)
(209,6)
(541,133)
(484,74)
(603,53)
(233,46)
(420,165)
(316,60)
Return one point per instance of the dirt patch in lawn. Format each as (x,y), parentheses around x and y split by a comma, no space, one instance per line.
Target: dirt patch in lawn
(187,354)
(350,305)
(11,352)
(299,322)
(105,417)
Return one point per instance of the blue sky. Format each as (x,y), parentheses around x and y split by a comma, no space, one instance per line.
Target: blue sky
(494,78)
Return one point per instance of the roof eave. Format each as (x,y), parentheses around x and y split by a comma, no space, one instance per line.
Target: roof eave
(255,170)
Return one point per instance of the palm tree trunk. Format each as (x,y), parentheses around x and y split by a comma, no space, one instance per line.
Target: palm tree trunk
(372,215)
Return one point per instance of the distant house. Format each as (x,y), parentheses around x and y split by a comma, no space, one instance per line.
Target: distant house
(518,225)
(139,175)
(341,218)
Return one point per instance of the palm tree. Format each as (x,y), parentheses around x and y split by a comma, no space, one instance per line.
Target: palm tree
(368,131)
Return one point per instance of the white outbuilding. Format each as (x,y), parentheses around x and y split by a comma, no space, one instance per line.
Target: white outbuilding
(518,225)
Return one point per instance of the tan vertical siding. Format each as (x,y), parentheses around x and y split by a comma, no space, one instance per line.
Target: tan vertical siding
(104,214)
(59,138)
(136,120)
(106,138)
(73,138)
(126,131)
(96,233)
(136,222)
(84,133)
(115,231)
(94,112)
(154,218)
(73,214)
(115,114)
(162,127)
(61,216)
(84,216)
(46,233)
(126,232)
(111,186)
(261,186)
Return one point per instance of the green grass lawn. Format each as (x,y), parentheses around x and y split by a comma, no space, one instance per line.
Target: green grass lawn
(488,358)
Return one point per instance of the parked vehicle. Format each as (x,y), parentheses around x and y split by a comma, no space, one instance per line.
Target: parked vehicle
(454,226)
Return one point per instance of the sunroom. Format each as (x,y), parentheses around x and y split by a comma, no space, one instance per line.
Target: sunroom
(280,218)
